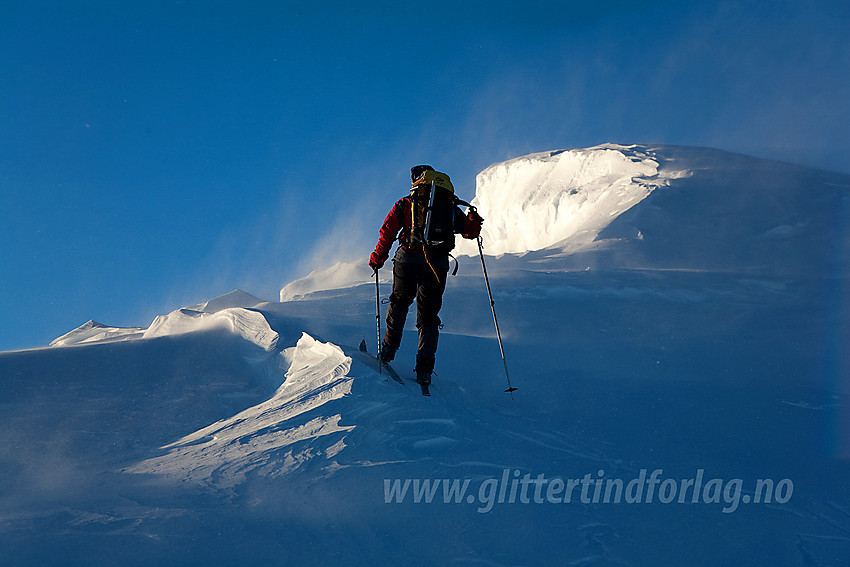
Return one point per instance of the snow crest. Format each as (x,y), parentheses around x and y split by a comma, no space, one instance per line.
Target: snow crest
(233,311)
(272,438)
(250,325)
(545,199)
(94,332)
(236,298)
(339,276)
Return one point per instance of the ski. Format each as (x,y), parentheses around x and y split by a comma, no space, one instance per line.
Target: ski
(376,363)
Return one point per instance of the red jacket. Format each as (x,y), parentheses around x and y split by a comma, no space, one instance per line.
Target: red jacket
(399,220)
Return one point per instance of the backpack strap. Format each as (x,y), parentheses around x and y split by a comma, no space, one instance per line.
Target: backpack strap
(461,202)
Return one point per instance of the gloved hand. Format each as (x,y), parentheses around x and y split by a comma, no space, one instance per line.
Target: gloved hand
(474,216)
(472,228)
(375,261)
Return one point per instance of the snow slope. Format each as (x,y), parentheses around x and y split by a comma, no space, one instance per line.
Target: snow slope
(699,333)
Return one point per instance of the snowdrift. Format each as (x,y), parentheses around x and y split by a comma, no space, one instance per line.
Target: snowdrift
(232,311)
(251,325)
(259,439)
(94,332)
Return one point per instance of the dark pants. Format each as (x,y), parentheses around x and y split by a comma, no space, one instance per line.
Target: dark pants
(416,281)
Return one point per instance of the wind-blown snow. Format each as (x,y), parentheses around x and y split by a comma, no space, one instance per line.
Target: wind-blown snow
(259,438)
(236,298)
(339,276)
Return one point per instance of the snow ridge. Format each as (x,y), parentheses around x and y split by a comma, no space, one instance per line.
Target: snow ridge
(94,332)
(251,325)
(545,199)
(233,311)
(272,438)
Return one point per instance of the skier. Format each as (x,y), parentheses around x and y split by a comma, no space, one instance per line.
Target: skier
(419,268)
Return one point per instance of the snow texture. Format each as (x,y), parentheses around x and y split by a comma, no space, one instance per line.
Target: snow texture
(224,453)
(541,200)
(681,310)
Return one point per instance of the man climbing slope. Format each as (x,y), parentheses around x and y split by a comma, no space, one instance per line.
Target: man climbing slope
(427,221)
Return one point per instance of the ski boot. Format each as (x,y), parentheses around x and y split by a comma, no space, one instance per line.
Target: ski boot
(424,381)
(387,353)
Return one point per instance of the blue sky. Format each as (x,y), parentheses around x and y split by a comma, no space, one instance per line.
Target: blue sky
(156,154)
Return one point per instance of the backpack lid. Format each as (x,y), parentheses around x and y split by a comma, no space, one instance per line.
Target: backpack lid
(439,179)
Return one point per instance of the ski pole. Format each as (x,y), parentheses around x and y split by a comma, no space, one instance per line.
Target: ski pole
(378,318)
(510,389)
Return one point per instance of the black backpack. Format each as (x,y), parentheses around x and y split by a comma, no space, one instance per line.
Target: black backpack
(433,205)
